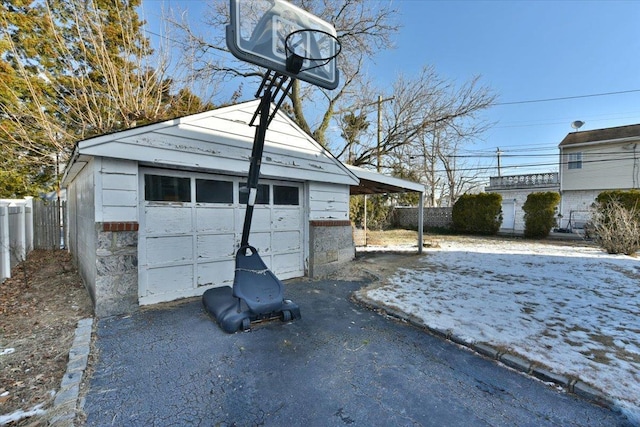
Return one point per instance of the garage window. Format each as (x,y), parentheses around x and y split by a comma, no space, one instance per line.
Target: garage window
(214,191)
(262,197)
(160,188)
(285,195)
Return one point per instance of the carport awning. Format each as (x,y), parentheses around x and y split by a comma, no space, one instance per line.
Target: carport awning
(377,183)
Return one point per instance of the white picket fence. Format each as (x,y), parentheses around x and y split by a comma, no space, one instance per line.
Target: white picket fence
(16,233)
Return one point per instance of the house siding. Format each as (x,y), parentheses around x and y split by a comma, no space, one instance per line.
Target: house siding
(604,166)
(328,201)
(82,232)
(119,191)
(220,141)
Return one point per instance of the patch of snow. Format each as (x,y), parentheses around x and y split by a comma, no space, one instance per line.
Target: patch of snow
(20,414)
(6,351)
(574,309)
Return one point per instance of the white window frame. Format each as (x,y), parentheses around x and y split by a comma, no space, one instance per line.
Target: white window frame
(575,160)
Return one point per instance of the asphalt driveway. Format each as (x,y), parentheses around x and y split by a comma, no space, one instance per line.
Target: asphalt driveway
(341,364)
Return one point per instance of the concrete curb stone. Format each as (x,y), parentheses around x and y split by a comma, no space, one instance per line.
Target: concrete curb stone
(66,401)
(517,363)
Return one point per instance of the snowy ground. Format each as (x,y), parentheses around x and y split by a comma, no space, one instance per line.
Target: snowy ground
(572,308)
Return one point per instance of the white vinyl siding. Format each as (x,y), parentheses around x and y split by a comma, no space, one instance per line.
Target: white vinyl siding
(118,182)
(602,167)
(82,228)
(221,140)
(328,201)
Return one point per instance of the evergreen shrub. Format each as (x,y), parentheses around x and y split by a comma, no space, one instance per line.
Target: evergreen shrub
(478,214)
(540,214)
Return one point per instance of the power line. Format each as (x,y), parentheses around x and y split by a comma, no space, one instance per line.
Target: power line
(531,165)
(493,154)
(563,98)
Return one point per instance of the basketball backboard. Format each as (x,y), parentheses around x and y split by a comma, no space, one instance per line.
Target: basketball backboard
(270,32)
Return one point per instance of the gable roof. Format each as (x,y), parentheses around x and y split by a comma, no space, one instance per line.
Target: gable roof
(602,135)
(218,140)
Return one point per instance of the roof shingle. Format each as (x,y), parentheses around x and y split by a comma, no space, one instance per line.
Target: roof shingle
(606,134)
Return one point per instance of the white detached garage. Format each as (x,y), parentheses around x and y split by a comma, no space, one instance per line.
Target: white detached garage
(156,212)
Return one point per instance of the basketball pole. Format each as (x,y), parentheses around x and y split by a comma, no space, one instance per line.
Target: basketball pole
(272,86)
(254,167)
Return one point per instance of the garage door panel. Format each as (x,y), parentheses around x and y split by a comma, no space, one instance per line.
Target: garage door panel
(167,219)
(167,280)
(216,246)
(286,241)
(261,241)
(169,249)
(215,219)
(216,273)
(261,220)
(287,265)
(286,219)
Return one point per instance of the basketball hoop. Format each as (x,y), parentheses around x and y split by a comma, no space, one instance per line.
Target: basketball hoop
(310,46)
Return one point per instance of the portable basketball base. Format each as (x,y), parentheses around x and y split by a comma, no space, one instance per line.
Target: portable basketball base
(292,44)
(257,294)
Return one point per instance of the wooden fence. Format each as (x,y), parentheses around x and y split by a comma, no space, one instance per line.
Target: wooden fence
(49,224)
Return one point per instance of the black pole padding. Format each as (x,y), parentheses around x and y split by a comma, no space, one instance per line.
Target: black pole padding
(256,161)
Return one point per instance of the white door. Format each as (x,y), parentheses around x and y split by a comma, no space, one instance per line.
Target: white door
(191,227)
(508,215)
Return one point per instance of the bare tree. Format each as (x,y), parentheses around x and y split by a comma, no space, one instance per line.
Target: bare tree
(363,28)
(429,119)
(425,126)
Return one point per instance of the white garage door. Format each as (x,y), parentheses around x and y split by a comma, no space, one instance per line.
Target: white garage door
(191,227)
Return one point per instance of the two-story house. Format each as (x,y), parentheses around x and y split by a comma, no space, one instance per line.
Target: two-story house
(594,161)
(589,162)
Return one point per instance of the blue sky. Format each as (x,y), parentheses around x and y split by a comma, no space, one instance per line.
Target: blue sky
(529,51)
(525,51)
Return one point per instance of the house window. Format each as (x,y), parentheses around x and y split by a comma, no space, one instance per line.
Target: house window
(575,160)
(262,197)
(160,188)
(214,191)
(285,195)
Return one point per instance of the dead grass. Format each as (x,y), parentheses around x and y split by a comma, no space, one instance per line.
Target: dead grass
(38,317)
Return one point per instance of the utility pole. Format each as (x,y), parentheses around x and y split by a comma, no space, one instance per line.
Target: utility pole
(499,153)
